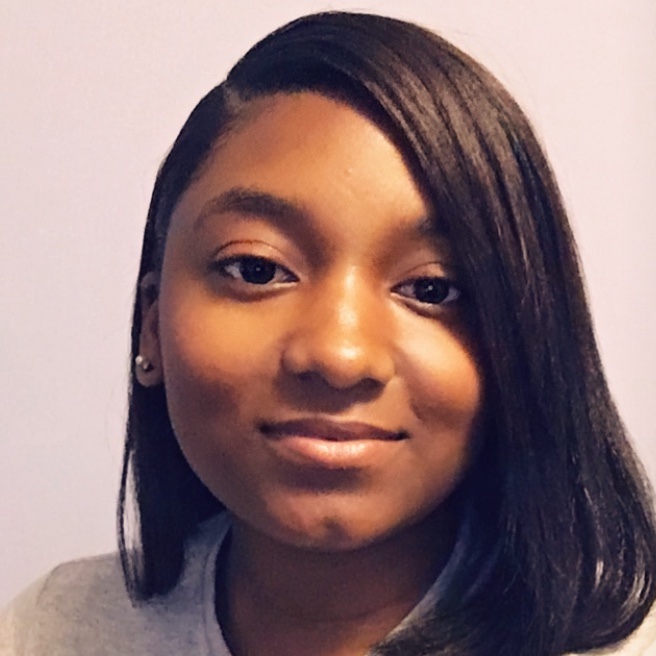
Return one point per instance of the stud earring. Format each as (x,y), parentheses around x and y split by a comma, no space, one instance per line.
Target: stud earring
(143,364)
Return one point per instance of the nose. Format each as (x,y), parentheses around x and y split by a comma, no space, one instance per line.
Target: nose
(341,335)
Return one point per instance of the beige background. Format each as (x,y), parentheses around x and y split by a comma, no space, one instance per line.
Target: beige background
(92,94)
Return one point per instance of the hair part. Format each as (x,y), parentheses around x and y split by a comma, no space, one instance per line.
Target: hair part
(562,554)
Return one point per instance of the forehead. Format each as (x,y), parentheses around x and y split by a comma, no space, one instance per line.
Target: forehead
(315,153)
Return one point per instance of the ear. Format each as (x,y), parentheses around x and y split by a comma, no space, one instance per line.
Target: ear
(150,373)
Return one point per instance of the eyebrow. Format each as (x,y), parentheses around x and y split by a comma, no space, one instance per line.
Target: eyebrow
(243,200)
(254,202)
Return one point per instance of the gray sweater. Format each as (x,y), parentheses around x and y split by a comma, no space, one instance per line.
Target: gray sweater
(82,609)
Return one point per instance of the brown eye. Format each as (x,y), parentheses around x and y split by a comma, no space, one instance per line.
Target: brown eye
(254,270)
(429,290)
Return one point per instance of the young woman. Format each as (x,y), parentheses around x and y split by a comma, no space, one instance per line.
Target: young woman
(367,412)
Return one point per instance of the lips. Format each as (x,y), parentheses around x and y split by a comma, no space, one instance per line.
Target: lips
(330,431)
(326,445)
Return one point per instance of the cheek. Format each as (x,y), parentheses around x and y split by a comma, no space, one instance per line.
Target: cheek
(444,379)
(213,368)
(203,339)
(213,360)
(445,391)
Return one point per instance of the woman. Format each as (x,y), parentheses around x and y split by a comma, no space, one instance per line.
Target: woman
(367,412)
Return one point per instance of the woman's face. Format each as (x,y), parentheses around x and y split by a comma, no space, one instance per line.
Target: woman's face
(309,333)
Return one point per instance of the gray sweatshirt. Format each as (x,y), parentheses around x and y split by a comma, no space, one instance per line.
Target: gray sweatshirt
(82,609)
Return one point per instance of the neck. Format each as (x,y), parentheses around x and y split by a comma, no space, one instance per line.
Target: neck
(275,598)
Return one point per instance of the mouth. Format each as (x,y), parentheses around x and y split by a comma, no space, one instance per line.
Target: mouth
(330,431)
(318,443)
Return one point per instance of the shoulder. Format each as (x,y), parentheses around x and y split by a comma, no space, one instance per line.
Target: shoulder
(79,590)
(83,607)
(641,642)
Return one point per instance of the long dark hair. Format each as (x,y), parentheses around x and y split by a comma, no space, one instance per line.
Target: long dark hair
(561,554)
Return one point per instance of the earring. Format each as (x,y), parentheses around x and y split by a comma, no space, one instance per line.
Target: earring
(145,365)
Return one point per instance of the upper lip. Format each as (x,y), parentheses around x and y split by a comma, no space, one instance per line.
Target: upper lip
(325,429)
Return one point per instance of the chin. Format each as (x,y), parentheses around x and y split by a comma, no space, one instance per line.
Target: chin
(334,531)
(332,535)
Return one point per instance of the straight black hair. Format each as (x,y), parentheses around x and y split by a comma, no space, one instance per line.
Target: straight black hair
(561,549)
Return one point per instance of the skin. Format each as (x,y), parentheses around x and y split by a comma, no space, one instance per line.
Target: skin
(333,541)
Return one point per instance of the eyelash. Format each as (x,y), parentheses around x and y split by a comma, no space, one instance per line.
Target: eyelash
(234,267)
(445,291)
(263,271)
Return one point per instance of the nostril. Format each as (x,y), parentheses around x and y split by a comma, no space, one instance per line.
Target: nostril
(317,375)
(338,381)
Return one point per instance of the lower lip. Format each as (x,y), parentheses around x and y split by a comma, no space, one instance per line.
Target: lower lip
(329,454)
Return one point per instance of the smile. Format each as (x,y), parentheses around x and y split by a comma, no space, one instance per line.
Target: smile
(328,444)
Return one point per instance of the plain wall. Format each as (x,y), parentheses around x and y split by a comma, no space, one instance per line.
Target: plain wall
(93,93)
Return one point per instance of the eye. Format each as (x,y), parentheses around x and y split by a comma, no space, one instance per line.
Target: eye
(254,270)
(429,290)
